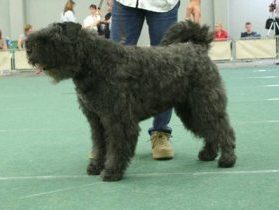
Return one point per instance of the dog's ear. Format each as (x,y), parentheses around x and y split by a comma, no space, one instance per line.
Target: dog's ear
(71,30)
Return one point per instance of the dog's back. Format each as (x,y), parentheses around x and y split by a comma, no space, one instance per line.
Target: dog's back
(188,31)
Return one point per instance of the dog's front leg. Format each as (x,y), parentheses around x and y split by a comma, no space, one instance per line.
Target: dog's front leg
(121,139)
(97,159)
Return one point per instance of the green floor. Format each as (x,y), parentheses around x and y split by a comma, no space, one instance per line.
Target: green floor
(44,143)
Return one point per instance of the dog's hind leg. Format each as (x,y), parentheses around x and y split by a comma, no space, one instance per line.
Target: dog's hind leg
(205,115)
(121,139)
(210,150)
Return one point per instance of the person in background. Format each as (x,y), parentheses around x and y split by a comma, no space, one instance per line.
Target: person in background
(128,17)
(22,38)
(3,45)
(249,33)
(105,26)
(68,15)
(220,33)
(91,22)
(107,23)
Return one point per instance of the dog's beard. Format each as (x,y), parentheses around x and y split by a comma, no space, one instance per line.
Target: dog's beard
(58,74)
(54,77)
(49,71)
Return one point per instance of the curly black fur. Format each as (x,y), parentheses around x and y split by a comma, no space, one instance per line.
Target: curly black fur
(118,86)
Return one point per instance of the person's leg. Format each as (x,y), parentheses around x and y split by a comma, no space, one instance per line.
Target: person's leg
(126,23)
(160,123)
(158,24)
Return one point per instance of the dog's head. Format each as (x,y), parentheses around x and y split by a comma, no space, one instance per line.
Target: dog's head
(54,50)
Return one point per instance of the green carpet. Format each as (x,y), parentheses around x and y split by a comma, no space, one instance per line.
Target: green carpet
(45,142)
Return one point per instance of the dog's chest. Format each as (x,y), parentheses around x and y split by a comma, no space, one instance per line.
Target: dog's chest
(83,100)
(91,102)
(96,99)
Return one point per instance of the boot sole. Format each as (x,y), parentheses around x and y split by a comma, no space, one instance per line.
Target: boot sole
(165,156)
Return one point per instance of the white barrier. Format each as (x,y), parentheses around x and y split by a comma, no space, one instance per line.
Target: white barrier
(255,49)
(21,61)
(220,50)
(5,61)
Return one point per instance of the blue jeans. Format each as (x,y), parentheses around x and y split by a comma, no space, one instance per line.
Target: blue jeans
(126,28)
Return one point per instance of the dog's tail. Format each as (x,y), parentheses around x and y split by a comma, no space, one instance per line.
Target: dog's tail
(188,31)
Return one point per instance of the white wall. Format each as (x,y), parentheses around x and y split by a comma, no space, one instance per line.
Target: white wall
(241,11)
(221,13)
(17,17)
(207,18)
(4,17)
(40,13)
(232,13)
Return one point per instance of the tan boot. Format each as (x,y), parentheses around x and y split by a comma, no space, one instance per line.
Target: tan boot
(161,146)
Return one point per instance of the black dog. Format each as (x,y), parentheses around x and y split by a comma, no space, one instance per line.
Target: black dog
(118,86)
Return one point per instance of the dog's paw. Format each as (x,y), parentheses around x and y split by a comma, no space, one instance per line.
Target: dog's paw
(93,169)
(111,176)
(206,155)
(227,161)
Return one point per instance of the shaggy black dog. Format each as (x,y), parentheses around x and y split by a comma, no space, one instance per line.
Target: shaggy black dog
(118,86)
